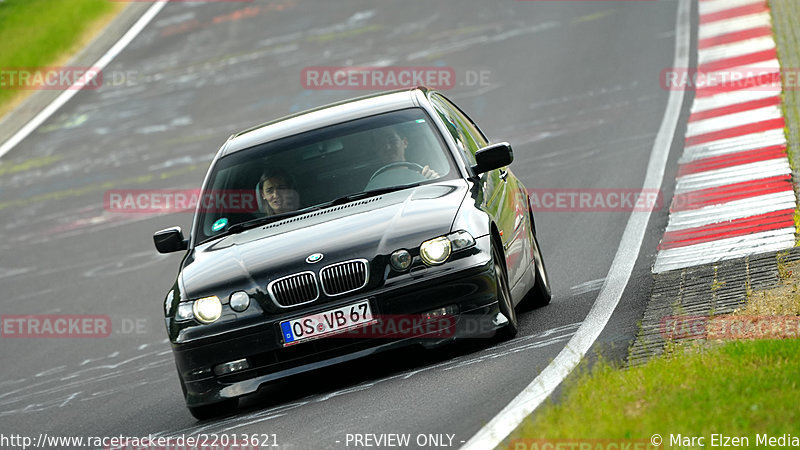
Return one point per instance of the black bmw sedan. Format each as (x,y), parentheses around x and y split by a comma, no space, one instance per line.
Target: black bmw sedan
(335,233)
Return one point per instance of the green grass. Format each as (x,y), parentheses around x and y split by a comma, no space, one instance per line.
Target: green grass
(36,33)
(738,388)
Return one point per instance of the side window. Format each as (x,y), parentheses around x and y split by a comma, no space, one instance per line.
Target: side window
(466,135)
(455,126)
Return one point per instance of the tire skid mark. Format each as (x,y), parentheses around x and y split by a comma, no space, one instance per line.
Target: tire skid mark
(79,380)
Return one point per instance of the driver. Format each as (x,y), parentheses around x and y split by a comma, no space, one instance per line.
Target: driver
(392,148)
(277,190)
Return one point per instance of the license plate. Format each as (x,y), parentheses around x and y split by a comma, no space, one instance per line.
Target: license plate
(326,323)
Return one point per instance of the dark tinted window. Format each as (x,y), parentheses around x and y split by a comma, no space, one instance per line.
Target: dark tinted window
(313,168)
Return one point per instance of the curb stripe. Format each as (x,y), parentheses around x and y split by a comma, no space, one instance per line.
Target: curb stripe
(729,98)
(734,194)
(735,174)
(733,145)
(712,6)
(736,61)
(762,19)
(750,33)
(730,192)
(737,227)
(707,126)
(742,130)
(735,108)
(715,251)
(738,209)
(735,49)
(734,159)
(734,12)
(764,80)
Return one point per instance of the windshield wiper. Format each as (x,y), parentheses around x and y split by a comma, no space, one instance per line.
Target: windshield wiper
(254,223)
(365,194)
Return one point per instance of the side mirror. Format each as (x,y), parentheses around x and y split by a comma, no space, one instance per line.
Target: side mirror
(170,240)
(493,157)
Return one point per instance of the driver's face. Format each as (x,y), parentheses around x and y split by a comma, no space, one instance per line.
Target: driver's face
(396,148)
(279,195)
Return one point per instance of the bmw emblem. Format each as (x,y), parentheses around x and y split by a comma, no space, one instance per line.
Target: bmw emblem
(316,257)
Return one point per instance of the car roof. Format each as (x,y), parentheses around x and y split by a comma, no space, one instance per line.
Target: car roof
(323,116)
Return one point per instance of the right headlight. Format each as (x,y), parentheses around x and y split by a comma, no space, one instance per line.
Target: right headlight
(435,251)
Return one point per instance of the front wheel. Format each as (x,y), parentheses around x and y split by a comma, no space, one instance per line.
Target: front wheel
(214,410)
(540,294)
(504,297)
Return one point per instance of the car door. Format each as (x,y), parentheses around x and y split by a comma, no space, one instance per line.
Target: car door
(502,198)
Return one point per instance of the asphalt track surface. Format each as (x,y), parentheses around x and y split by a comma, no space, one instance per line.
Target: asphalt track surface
(574,86)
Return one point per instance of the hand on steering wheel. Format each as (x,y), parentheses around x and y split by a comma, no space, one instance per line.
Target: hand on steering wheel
(426,171)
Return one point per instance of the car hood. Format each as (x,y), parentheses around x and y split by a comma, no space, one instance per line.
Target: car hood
(360,229)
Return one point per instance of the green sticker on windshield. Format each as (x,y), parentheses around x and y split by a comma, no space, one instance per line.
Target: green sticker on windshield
(420,120)
(219,224)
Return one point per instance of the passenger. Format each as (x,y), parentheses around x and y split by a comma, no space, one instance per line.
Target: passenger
(278,192)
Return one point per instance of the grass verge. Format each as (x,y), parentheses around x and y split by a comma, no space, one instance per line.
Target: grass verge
(37,33)
(740,388)
(728,381)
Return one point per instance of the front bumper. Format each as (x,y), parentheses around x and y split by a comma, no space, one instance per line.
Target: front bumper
(467,288)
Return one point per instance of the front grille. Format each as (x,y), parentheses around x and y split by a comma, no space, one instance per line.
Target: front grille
(341,278)
(294,290)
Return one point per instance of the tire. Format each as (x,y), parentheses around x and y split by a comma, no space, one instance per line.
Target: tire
(504,300)
(214,410)
(540,294)
(541,290)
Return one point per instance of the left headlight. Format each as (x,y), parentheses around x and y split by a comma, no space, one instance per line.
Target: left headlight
(435,251)
(207,309)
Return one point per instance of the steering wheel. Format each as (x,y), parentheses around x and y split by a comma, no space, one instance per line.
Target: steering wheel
(409,165)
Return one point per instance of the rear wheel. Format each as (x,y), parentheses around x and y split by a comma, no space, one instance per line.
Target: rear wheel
(504,297)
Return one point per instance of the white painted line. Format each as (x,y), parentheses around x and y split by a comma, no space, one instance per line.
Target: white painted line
(543,385)
(731,175)
(721,5)
(723,249)
(737,209)
(728,146)
(741,23)
(733,120)
(735,49)
(732,98)
(65,96)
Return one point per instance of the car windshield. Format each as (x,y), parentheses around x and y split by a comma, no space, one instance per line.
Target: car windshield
(314,169)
